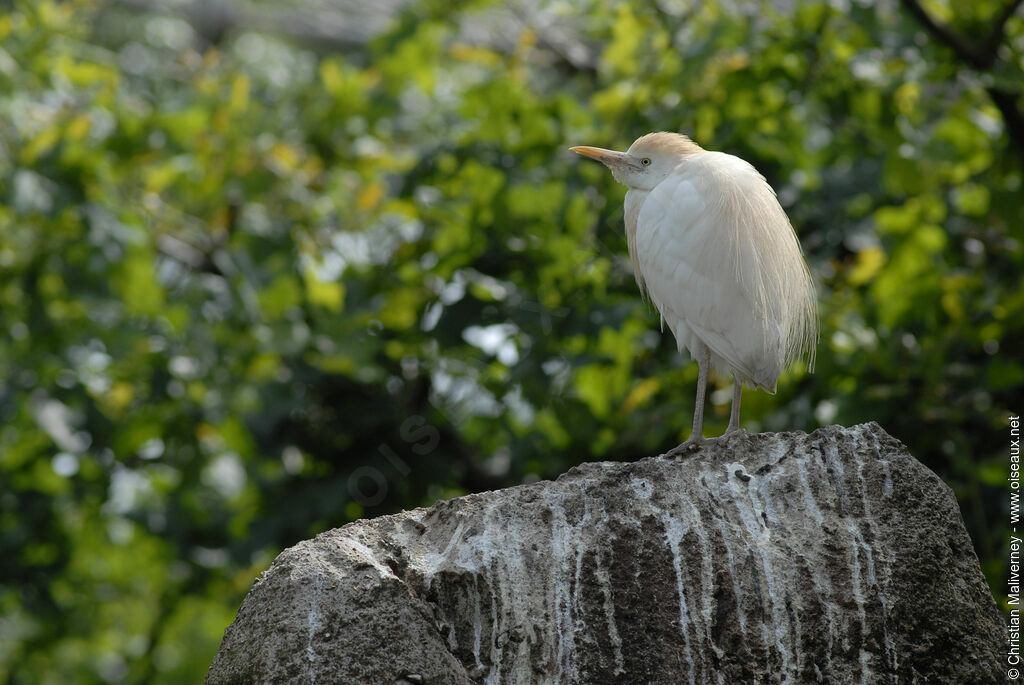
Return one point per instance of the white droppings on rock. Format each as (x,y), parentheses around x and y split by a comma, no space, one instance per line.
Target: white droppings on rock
(431,563)
(314,622)
(891,657)
(856,587)
(705,553)
(367,554)
(782,553)
(750,508)
(675,529)
(808,494)
(564,599)
(742,496)
(830,454)
(478,629)
(816,555)
(609,612)
(887,488)
(741,616)
(641,488)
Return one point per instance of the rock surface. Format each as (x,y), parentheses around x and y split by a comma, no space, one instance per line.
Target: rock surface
(833,557)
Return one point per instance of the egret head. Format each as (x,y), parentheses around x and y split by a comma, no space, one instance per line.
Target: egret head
(647,161)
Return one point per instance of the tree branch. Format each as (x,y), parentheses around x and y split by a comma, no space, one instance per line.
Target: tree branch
(1013,117)
(995,36)
(982,58)
(965,50)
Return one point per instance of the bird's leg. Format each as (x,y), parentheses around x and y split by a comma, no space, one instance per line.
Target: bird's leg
(734,415)
(703,363)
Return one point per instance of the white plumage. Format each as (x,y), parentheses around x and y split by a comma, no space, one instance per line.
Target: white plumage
(716,254)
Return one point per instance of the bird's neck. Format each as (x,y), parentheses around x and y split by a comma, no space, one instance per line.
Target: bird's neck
(634,201)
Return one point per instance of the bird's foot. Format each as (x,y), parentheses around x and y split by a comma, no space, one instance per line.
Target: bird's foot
(692,444)
(696,442)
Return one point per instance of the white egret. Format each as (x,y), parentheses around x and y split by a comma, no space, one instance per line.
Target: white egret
(714,251)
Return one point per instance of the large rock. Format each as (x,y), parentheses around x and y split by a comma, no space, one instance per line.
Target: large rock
(833,557)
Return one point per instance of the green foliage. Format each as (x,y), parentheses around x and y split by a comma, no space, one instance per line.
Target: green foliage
(253,290)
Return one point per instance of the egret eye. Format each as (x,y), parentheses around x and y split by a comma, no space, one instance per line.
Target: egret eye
(646,161)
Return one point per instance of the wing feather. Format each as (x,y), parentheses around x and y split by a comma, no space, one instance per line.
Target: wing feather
(720,261)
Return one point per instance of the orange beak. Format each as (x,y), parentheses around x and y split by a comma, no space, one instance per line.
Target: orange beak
(606,157)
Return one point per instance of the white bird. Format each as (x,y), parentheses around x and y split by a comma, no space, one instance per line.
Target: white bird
(714,251)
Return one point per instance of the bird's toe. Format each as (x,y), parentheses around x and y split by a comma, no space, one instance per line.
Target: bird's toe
(692,444)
